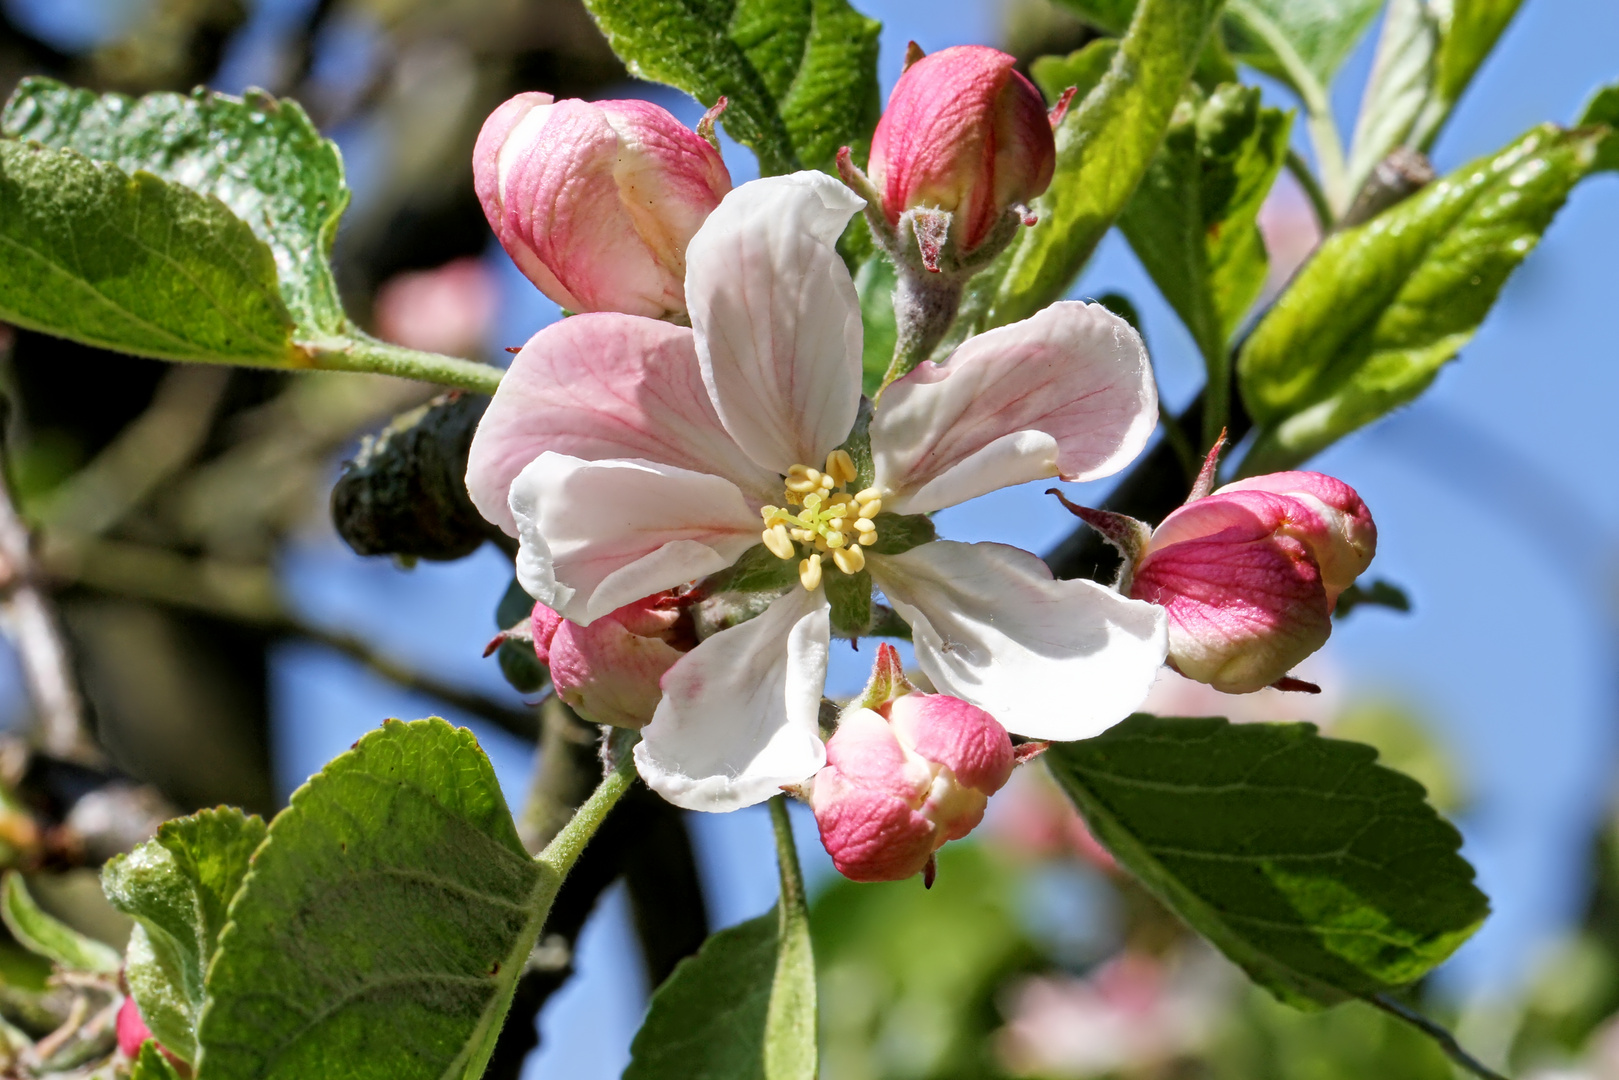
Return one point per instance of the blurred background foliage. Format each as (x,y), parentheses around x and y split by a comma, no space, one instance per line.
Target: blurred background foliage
(162,504)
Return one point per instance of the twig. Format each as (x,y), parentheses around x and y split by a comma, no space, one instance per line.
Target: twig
(246,593)
(30,621)
(1445,1040)
(146,452)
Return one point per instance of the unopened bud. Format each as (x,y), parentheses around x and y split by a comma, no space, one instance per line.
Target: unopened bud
(965,133)
(609,672)
(596,201)
(904,778)
(1249,575)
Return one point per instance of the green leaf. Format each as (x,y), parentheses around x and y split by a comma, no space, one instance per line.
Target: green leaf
(1324,875)
(800,75)
(1194,220)
(1475,27)
(263,158)
(744,1007)
(45,936)
(178,887)
(1109,16)
(1369,321)
(1603,108)
(384,923)
(1279,37)
(1104,146)
(1082,69)
(133,263)
(152,1065)
(707,1021)
(1426,57)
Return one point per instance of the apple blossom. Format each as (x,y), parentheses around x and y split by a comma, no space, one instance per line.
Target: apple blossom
(1249,575)
(596,201)
(631,456)
(904,775)
(608,671)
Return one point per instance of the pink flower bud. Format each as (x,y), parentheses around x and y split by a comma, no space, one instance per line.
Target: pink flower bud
(896,788)
(1249,575)
(132,1034)
(596,201)
(963,132)
(609,671)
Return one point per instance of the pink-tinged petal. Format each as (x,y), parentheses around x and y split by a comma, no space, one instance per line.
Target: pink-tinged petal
(1235,516)
(865,750)
(544,622)
(740,713)
(669,177)
(604,386)
(1241,613)
(1346,540)
(958,735)
(1048,659)
(597,535)
(954,807)
(776,317)
(871,834)
(607,674)
(1068,392)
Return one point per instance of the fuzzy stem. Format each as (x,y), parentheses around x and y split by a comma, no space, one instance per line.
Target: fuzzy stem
(924,307)
(361,353)
(564,850)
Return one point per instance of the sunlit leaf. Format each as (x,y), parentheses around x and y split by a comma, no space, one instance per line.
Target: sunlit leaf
(1369,321)
(800,76)
(46,936)
(1323,874)
(384,924)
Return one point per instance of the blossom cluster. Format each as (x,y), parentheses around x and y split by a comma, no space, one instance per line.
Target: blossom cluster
(698,420)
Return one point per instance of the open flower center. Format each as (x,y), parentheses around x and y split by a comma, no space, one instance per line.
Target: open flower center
(823,519)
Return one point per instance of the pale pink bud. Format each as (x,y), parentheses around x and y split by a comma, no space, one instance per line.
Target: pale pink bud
(596,201)
(895,789)
(608,672)
(1249,575)
(132,1034)
(963,132)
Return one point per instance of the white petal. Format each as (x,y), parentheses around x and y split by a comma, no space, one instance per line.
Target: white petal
(1049,659)
(776,317)
(1068,392)
(602,386)
(740,713)
(596,535)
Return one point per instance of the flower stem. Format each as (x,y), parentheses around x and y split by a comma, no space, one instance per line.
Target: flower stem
(359,352)
(1445,1040)
(925,305)
(564,850)
(792,877)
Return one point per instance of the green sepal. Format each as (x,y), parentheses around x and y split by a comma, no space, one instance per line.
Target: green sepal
(899,533)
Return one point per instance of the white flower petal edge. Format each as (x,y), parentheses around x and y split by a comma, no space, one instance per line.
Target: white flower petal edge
(740,713)
(1049,659)
(596,535)
(1068,391)
(602,386)
(776,317)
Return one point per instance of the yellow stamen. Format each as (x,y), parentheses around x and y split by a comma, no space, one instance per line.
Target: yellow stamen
(823,519)
(809,573)
(780,544)
(840,465)
(850,560)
